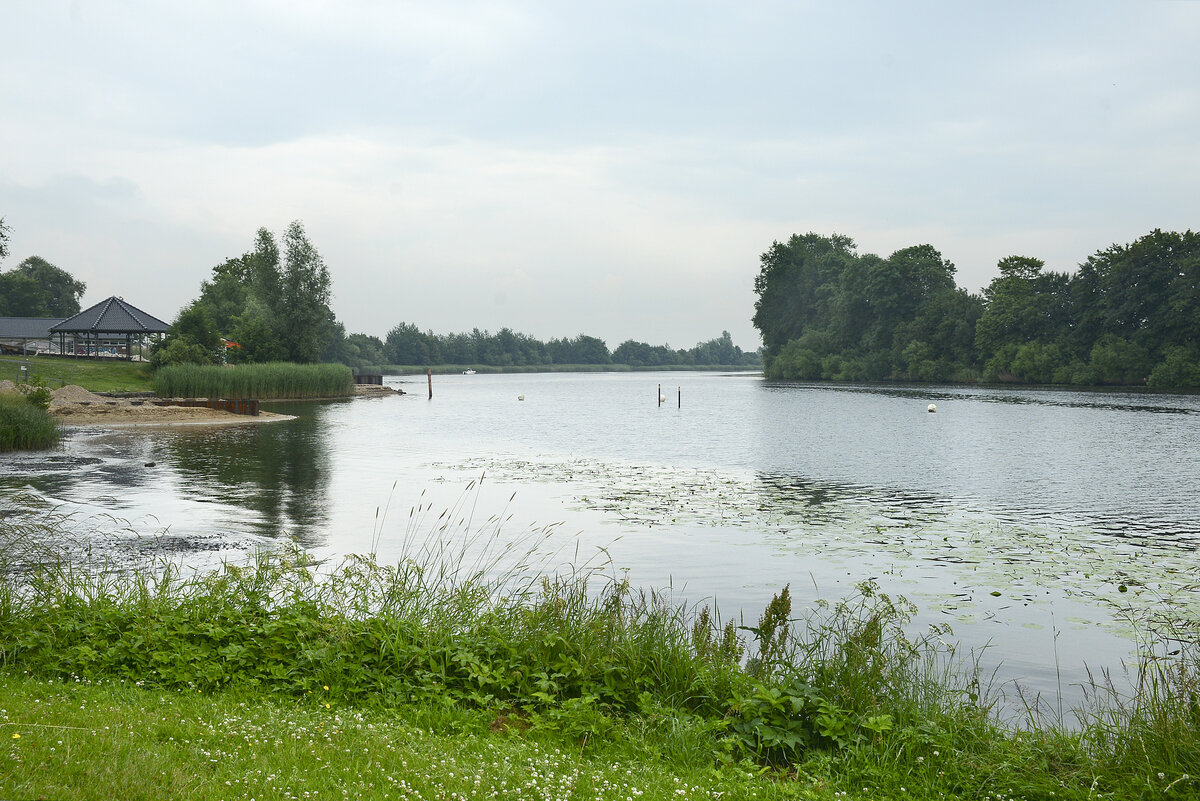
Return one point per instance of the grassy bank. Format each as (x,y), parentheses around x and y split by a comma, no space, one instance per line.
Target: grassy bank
(84,741)
(97,375)
(448,675)
(24,426)
(274,380)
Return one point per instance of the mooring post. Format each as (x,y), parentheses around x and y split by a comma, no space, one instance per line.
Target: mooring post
(660,395)
(680,391)
(429,375)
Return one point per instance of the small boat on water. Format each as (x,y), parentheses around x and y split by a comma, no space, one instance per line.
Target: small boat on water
(468,372)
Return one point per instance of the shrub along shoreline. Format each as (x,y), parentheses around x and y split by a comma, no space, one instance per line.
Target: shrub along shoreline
(24,422)
(835,702)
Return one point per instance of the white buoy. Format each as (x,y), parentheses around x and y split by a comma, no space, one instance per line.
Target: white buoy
(662,398)
(520,397)
(932,408)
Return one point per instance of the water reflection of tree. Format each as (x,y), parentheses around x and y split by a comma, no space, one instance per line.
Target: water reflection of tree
(279,470)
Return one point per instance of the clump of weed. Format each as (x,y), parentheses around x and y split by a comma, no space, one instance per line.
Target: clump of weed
(1148,726)
(844,675)
(25,425)
(36,392)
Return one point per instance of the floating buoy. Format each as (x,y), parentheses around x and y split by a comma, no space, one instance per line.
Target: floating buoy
(932,408)
(520,397)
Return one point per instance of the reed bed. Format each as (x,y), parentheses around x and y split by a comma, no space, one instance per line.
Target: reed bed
(271,381)
(24,426)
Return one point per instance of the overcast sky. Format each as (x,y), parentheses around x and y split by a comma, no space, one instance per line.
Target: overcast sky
(611,168)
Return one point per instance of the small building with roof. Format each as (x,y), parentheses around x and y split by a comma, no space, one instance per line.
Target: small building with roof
(110,328)
(26,335)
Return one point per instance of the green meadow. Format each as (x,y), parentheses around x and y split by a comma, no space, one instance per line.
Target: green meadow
(97,375)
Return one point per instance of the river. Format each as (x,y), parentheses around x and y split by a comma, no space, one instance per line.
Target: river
(1043,526)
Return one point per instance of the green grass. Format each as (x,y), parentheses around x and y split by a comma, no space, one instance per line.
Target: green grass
(83,741)
(275,380)
(97,375)
(24,426)
(466,662)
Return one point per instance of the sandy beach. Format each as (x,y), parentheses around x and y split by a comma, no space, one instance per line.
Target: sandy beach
(73,405)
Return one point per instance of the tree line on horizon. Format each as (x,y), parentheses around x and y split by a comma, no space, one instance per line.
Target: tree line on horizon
(1129,315)
(407,345)
(272,304)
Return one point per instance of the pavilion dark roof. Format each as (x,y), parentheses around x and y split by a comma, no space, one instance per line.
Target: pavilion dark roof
(112,316)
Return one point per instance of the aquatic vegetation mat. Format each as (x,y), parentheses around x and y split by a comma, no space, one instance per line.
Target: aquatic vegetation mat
(960,561)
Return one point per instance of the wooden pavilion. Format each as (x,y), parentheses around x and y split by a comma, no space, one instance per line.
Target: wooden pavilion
(110,328)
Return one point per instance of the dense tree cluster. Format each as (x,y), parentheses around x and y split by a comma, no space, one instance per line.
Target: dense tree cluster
(272,304)
(37,288)
(408,345)
(1129,315)
(269,305)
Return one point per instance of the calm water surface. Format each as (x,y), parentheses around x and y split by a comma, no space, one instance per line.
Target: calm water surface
(1035,523)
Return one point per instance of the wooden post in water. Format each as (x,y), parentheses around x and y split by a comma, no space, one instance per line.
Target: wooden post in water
(429,375)
(660,396)
(680,391)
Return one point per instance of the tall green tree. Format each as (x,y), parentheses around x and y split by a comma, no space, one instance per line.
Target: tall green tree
(273,310)
(303,309)
(1024,304)
(4,231)
(258,328)
(226,294)
(899,287)
(19,295)
(939,340)
(263,270)
(192,338)
(1146,293)
(582,349)
(363,350)
(797,286)
(37,288)
(406,344)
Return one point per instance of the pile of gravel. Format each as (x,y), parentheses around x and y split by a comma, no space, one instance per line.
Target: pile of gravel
(74,394)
